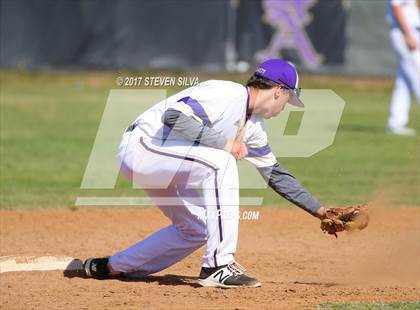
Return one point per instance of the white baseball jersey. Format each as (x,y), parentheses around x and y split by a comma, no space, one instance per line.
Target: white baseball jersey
(410,11)
(223,105)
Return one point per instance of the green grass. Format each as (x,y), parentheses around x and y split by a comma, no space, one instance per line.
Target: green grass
(373,306)
(49,121)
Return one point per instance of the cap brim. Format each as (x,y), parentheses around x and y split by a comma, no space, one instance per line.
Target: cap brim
(294,100)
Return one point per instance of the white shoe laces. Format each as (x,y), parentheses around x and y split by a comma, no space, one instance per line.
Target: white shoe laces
(236,268)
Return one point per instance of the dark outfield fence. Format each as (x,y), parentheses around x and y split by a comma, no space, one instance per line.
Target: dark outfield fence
(212,35)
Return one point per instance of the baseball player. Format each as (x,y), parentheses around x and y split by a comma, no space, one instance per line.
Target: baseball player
(404,18)
(183,153)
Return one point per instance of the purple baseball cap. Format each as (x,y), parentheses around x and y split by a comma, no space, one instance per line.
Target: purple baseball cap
(283,73)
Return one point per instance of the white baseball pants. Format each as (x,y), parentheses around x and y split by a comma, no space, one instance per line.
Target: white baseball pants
(407,81)
(186,183)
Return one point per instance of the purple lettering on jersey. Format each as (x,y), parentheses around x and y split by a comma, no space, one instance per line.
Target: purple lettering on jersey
(197,109)
(260,151)
(289,19)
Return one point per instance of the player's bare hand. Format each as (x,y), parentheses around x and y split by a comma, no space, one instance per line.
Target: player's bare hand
(321,213)
(237,149)
(244,151)
(411,42)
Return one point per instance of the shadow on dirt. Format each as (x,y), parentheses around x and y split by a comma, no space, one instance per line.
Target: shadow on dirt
(167,279)
(75,270)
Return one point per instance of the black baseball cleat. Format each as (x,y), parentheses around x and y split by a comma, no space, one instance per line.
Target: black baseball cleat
(226,276)
(97,268)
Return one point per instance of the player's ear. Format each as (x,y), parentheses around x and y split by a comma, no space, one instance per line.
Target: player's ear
(277,91)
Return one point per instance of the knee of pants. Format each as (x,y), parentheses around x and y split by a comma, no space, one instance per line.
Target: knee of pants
(227,168)
(195,232)
(229,177)
(226,161)
(233,166)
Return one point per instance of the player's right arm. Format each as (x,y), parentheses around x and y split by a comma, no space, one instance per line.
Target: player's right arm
(197,132)
(194,115)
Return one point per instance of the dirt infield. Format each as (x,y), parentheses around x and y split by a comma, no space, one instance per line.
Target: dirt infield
(298,265)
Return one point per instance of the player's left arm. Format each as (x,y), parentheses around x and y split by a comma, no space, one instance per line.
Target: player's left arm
(278,178)
(287,186)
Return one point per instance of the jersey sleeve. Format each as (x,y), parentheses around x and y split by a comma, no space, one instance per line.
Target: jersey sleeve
(279,179)
(287,186)
(259,152)
(206,102)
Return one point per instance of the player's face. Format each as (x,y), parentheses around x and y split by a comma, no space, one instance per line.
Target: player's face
(277,102)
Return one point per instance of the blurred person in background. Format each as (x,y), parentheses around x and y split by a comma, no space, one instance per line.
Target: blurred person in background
(404,19)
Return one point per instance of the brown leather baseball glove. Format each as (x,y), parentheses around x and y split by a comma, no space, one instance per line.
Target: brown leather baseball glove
(341,219)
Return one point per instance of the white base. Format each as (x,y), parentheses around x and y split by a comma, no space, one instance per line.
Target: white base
(38,263)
